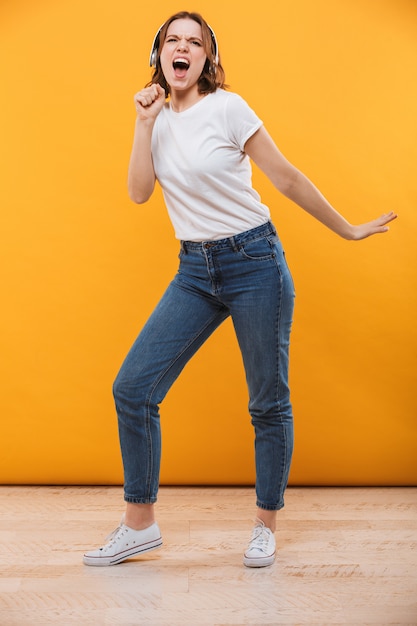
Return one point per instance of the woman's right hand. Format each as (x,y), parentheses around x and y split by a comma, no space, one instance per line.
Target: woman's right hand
(149,101)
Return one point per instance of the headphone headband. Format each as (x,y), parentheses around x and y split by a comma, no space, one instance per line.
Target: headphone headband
(155,46)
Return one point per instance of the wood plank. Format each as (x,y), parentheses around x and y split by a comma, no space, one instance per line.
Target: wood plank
(345,556)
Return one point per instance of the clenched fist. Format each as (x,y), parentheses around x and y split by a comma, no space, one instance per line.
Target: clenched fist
(149,101)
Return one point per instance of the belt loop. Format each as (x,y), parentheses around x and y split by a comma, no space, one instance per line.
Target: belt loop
(235,247)
(183,247)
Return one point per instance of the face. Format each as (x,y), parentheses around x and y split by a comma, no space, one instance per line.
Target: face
(182,55)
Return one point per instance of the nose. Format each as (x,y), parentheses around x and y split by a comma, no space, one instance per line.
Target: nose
(182,44)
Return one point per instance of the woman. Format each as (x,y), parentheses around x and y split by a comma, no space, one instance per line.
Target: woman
(197,145)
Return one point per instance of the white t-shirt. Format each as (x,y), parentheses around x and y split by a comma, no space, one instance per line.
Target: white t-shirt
(205,175)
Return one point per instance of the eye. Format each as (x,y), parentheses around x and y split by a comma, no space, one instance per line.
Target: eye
(195,42)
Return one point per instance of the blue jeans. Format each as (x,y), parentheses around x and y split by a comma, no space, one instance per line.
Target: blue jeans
(246,277)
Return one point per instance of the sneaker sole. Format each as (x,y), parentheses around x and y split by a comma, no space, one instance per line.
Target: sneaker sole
(261,562)
(102,561)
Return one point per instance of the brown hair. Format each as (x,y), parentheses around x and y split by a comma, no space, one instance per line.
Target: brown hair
(212,76)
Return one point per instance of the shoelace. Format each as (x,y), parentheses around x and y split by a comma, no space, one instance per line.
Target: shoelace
(260,538)
(110,539)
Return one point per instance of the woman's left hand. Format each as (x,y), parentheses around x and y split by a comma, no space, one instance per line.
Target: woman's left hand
(361,231)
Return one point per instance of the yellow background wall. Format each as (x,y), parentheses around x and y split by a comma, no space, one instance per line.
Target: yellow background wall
(82,267)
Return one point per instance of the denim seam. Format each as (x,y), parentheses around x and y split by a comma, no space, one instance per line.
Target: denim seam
(264,231)
(148,400)
(279,504)
(278,389)
(284,462)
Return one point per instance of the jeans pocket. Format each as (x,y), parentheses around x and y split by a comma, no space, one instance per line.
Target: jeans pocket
(257,250)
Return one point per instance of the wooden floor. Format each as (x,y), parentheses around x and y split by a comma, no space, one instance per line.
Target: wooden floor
(345,556)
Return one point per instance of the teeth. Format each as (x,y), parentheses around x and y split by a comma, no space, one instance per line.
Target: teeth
(181,62)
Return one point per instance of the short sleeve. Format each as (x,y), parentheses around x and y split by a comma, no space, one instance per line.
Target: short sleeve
(242,122)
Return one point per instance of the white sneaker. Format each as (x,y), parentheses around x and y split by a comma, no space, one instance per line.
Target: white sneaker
(123,543)
(261,548)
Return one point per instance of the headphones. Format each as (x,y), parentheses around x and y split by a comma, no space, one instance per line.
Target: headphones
(155,46)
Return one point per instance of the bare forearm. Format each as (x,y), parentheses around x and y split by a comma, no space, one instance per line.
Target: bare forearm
(141,174)
(302,191)
(298,188)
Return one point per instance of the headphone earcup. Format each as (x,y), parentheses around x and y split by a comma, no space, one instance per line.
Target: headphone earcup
(154,51)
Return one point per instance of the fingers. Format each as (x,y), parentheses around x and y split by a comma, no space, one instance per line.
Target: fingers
(379,225)
(382,221)
(388,217)
(146,97)
(160,90)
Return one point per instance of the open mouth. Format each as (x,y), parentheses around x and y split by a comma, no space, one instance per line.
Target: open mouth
(180,67)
